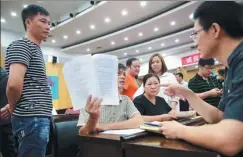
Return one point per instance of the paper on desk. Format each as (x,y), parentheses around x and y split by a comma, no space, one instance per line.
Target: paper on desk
(123,132)
(154,123)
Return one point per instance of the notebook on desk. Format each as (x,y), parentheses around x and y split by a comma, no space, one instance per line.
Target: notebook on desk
(127,134)
(155,126)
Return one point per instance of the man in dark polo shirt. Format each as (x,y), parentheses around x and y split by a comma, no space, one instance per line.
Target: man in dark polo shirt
(207,87)
(218,33)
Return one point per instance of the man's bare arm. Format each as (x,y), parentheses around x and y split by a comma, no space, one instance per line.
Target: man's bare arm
(90,126)
(15,83)
(210,113)
(131,123)
(225,137)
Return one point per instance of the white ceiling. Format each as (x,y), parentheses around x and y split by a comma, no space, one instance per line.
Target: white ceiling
(112,10)
(156,14)
(15,23)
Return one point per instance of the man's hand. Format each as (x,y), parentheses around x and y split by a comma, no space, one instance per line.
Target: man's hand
(173,90)
(172,114)
(166,117)
(102,127)
(93,107)
(215,92)
(5,112)
(172,129)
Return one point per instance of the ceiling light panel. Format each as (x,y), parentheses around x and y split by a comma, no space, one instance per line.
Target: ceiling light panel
(143,3)
(3,20)
(13,14)
(147,29)
(124,12)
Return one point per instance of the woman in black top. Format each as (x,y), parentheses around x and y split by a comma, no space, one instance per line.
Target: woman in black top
(152,107)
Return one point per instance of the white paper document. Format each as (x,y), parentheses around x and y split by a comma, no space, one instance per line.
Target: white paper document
(92,75)
(123,132)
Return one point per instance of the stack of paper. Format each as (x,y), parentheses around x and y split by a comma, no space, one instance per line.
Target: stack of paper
(185,114)
(150,128)
(123,132)
(92,75)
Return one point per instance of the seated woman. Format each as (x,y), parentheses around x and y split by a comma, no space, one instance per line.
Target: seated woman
(109,117)
(157,66)
(152,107)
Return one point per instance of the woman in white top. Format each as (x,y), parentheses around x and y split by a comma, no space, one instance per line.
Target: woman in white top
(157,66)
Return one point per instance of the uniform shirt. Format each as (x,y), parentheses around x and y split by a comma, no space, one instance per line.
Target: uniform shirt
(130,87)
(36,97)
(198,85)
(145,107)
(112,113)
(232,99)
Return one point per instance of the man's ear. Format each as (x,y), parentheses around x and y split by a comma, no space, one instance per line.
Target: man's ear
(27,22)
(216,30)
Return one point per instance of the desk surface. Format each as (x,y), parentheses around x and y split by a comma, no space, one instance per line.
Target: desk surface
(152,145)
(161,142)
(156,145)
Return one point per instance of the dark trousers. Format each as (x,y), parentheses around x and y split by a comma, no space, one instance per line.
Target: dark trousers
(184,105)
(7,141)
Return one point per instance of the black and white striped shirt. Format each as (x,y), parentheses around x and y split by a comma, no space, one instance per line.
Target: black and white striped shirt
(36,97)
(198,85)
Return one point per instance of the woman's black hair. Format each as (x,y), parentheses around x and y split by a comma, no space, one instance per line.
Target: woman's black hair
(147,76)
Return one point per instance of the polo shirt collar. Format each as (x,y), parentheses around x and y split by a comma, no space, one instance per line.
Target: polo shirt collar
(236,51)
(199,77)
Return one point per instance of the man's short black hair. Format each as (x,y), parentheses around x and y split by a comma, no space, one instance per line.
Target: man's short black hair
(130,60)
(221,72)
(121,66)
(227,14)
(202,62)
(32,10)
(180,75)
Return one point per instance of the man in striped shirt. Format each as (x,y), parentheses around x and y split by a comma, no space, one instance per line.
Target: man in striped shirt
(207,87)
(109,117)
(28,93)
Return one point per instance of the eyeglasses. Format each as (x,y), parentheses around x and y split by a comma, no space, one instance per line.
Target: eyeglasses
(208,67)
(194,35)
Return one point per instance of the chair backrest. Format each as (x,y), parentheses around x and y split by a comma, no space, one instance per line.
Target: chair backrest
(64,135)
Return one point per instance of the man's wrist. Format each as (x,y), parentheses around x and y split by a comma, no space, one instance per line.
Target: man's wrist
(188,93)
(181,132)
(165,117)
(107,126)
(207,94)
(93,119)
